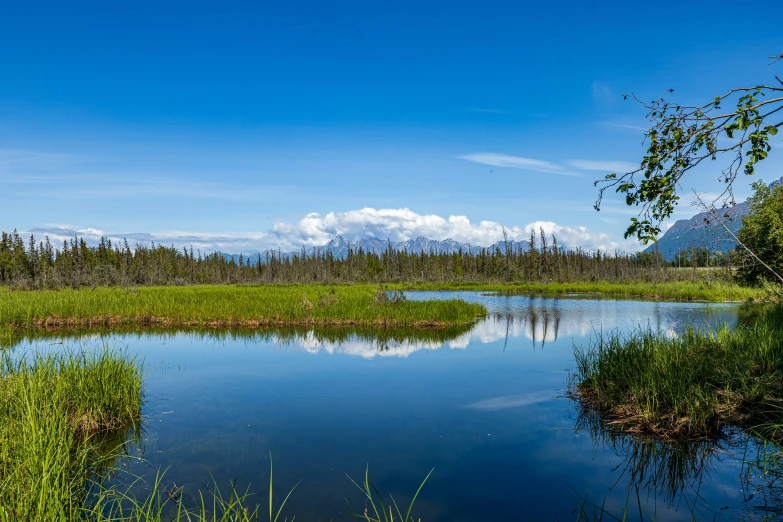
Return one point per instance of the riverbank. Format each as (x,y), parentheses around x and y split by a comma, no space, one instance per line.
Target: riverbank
(713,291)
(229,307)
(690,386)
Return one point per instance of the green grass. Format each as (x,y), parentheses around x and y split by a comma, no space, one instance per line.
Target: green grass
(228,306)
(706,290)
(58,414)
(689,386)
(168,502)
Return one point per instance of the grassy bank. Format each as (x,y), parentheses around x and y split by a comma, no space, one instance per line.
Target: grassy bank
(706,290)
(688,386)
(58,413)
(228,306)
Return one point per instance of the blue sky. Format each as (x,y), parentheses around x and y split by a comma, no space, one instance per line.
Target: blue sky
(227,124)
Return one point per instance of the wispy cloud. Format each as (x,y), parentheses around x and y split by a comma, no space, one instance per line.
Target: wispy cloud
(605,166)
(25,161)
(108,186)
(602,93)
(565,168)
(624,126)
(517,162)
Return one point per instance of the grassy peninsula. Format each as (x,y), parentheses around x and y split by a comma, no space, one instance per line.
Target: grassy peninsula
(229,306)
(689,386)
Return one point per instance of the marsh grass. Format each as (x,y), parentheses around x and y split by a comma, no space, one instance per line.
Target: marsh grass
(227,306)
(701,290)
(375,510)
(168,502)
(689,386)
(57,414)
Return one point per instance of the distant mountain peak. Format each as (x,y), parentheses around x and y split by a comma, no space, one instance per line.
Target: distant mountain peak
(702,231)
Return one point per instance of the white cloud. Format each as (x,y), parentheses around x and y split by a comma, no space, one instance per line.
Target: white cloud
(517,162)
(316,229)
(510,401)
(607,166)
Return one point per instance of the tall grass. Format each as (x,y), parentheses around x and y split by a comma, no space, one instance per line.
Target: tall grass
(700,290)
(57,412)
(170,503)
(688,386)
(375,510)
(227,306)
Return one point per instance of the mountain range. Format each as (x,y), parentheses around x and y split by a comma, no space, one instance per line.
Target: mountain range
(700,231)
(339,247)
(703,231)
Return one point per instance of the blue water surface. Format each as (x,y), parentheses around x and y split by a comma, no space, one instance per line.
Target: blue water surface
(487,410)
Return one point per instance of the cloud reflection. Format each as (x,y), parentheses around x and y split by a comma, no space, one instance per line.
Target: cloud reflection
(510,401)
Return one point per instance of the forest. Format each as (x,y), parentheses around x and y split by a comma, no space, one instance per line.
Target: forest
(38,264)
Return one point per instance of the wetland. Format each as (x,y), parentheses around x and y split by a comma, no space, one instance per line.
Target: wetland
(485,404)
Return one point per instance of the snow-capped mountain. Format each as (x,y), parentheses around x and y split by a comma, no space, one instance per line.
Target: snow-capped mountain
(339,247)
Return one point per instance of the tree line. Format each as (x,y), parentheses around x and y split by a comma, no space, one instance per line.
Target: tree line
(31,263)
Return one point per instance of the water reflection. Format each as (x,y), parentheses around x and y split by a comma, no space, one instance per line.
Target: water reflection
(762,477)
(363,342)
(674,472)
(477,402)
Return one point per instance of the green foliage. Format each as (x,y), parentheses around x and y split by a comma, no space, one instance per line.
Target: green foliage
(682,137)
(75,265)
(762,233)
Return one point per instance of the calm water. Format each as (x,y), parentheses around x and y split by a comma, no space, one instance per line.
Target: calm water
(484,408)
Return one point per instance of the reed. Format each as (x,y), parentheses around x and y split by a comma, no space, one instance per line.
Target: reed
(168,502)
(689,386)
(57,413)
(229,306)
(701,290)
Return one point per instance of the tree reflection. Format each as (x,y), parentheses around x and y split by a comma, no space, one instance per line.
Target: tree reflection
(364,341)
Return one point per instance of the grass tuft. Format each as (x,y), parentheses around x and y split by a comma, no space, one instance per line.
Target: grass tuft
(685,387)
(57,414)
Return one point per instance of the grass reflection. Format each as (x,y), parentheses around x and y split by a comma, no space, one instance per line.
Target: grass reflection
(653,468)
(376,340)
